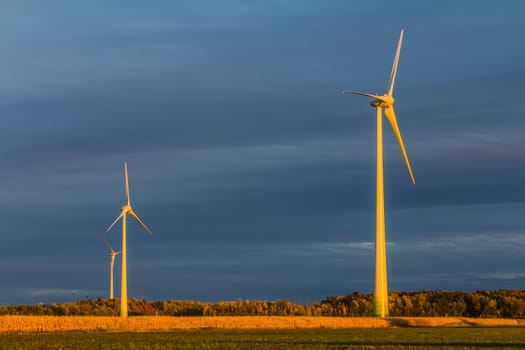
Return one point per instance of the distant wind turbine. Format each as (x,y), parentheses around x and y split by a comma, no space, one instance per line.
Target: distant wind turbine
(112,255)
(126,209)
(385,101)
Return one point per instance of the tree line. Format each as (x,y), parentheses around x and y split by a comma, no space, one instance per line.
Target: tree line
(488,304)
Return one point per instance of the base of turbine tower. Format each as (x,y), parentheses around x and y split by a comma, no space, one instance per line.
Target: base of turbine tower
(380,307)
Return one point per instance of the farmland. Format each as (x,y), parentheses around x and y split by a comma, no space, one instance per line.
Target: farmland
(362,338)
(165,323)
(258,332)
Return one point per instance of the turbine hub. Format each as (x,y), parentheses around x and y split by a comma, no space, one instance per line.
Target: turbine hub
(384,101)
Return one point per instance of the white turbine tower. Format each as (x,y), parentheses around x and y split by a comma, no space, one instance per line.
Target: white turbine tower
(385,101)
(112,255)
(126,209)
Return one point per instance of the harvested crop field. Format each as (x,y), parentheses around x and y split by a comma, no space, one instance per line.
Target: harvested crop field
(164,323)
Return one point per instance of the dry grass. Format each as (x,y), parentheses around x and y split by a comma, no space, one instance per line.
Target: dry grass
(163,323)
(153,323)
(453,322)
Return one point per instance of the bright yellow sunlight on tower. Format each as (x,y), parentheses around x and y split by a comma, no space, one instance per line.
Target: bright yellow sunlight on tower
(112,255)
(126,209)
(387,102)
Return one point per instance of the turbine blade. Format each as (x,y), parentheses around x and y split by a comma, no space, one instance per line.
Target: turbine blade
(127,183)
(117,219)
(132,213)
(107,243)
(394,66)
(391,116)
(364,94)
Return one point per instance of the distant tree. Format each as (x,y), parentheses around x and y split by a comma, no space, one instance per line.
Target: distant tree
(500,303)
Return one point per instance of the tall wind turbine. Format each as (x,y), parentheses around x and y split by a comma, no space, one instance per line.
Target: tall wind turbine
(385,101)
(126,209)
(112,255)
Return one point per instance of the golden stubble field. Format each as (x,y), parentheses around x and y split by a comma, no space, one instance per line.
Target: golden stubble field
(164,323)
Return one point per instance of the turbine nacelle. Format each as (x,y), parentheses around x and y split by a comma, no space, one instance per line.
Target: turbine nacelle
(125,208)
(384,101)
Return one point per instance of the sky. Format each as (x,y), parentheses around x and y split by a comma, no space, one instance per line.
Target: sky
(255,174)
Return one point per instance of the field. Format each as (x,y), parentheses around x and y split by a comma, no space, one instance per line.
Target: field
(164,323)
(259,332)
(364,338)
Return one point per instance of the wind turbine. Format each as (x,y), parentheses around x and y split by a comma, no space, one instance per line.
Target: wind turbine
(385,101)
(112,255)
(126,209)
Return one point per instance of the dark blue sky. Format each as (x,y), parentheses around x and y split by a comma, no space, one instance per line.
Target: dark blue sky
(256,175)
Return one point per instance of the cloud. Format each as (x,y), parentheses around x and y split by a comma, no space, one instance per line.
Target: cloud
(503,275)
(53,293)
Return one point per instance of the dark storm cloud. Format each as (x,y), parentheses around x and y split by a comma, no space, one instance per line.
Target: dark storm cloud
(254,172)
